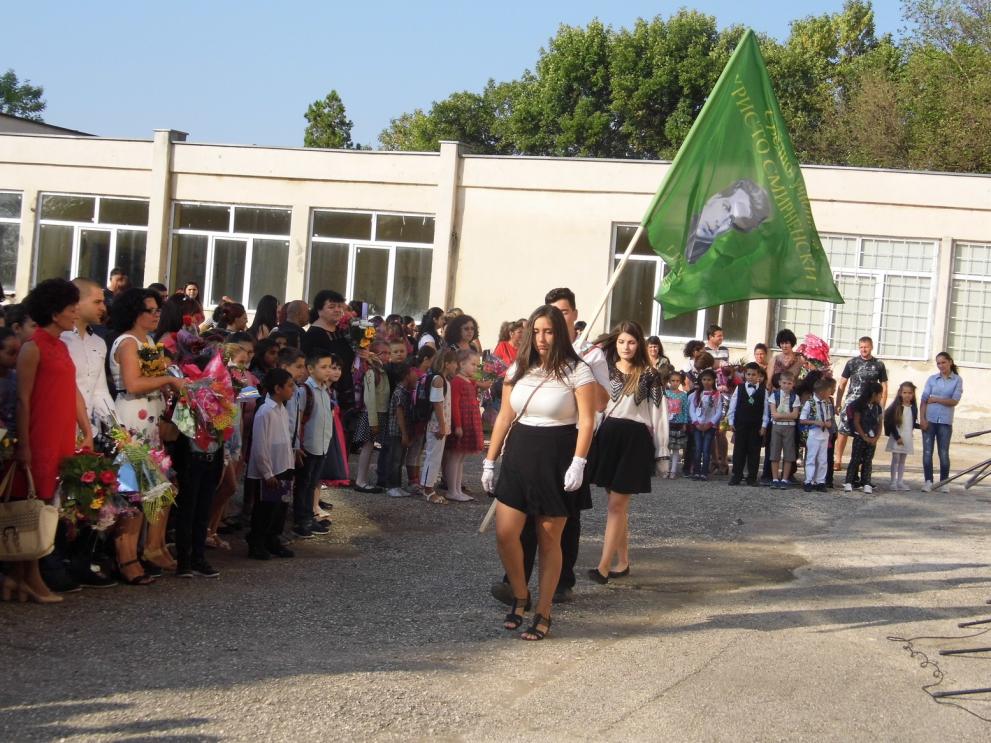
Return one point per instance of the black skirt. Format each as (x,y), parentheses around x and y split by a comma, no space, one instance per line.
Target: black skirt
(532,475)
(623,459)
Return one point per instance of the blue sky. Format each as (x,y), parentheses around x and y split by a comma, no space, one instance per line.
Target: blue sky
(244,72)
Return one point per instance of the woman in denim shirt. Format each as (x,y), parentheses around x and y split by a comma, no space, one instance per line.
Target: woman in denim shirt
(939,397)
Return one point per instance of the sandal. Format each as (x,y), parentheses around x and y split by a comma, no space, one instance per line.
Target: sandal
(435,497)
(212,540)
(534,629)
(514,619)
(138,580)
(159,558)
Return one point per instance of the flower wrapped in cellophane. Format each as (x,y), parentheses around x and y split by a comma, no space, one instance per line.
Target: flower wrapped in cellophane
(816,353)
(143,472)
(88,490)
(206,411)
(491,368)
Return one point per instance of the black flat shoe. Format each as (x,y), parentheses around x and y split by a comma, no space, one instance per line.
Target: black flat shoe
(598,577)
(619,573)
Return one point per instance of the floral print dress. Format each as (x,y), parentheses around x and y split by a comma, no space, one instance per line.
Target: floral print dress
(140,413)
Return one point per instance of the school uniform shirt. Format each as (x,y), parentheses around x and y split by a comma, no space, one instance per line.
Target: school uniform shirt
(554,404)
(271,442)
(318,430)
(89,354)
(706,407)
(781,404)
(939,386)
(748,389)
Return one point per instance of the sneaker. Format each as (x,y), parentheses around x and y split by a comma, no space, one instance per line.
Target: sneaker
(892,485)
(459,497)
(807,487)
(848,487)
(397,493)
(563,596)
(279,550)
(868,490)
(704,478)
(183,571)
(204,569)
(318,528)
(302,532)
(821,487)
(734,481)
(784,484)
(903,487)
(927,487)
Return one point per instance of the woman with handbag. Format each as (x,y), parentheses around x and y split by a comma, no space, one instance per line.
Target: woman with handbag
(546,422)
(138,367)
(633,435)
(49,410)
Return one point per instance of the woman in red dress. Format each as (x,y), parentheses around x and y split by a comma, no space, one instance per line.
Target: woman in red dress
(466,425)
(49,406)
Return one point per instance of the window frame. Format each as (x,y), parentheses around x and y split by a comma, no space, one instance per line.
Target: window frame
(77,228)
(879,276)
(212,236)
(655,311)
(9,290)
(354,244)
(954,276)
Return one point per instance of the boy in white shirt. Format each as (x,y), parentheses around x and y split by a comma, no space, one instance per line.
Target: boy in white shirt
(783,409)
(818,413)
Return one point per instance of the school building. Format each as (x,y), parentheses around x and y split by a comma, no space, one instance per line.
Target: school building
(911,251)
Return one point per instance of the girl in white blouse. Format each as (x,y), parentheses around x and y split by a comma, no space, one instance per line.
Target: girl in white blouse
(632,436)
(546,422)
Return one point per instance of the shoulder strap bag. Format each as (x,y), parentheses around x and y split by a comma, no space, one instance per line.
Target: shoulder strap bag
(27,527)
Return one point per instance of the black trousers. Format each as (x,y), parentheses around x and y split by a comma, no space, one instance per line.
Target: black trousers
(267,521)
(198,480)
(746,450)
(570,538)
(858,471)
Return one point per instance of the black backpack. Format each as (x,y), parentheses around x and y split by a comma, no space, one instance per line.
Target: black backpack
(422,407)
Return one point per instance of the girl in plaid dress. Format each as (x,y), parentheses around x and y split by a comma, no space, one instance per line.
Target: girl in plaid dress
(466,421)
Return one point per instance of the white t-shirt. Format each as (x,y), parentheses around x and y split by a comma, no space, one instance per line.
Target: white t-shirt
(596,359)
(554,404)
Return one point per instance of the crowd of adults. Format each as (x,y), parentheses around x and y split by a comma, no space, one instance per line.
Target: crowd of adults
(338,389)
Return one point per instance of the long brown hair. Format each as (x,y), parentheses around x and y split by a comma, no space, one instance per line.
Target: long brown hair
(561,355)
(640,362)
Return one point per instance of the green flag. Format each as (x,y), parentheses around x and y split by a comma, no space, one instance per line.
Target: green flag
(732,219)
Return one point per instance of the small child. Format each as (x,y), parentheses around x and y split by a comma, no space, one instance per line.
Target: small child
(293,361)
(866,417)
(371,396)
(316,430)
(783,409)
(819,415)
(398,351)
(466,423)
(265,359)
(272,463)
(706,411)
(336,470)
(418,428)
(678,421)
(746,421)
(439,425)
(900,420)
(399,430)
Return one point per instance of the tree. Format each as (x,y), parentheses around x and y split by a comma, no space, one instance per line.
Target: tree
(20,98)
(328,124)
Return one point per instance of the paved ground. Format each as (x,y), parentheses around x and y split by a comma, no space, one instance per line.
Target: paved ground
(750,615)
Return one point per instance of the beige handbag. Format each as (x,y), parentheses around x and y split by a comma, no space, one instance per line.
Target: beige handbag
(27,527)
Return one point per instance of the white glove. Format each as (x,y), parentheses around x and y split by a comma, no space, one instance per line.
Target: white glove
(488,476)
(573,477)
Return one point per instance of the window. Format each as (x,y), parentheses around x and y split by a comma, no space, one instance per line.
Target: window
(89,235)
(969,322)
(241,252)
(10,235)
(887,288)
(382,259)
(633,297)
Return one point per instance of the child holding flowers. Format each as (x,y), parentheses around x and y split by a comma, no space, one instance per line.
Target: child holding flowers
(466,423)
(371,395)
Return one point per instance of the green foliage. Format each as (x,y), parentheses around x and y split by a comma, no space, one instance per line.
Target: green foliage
(20,98)
(328,124)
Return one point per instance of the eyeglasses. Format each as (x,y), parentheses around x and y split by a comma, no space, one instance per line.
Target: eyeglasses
(152,310)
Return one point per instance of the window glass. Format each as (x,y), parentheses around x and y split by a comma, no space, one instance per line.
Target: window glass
(969,323)
(269,261)
(328,268)
(68,208)
(411,285)
(801,316)
(124,211)
(348,225)
(404,228)
(633,296)
(624,233)
(371,277)
(9,236)
(898,255)
(732,318)
(259,221)
(131,254)
(973,259)
(189,261)
(54,252)
(202,217)
(842,251)
(854,318)
(10,205)
(228,270)
(94,254)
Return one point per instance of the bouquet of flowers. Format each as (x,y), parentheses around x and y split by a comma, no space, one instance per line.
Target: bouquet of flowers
(362,333)
(88,484)
(152,359)
(206,412)
(491,368)
(143,471)
(816,353)
(344,324)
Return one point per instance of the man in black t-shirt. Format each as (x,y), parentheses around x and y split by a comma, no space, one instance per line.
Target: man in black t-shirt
(856,374)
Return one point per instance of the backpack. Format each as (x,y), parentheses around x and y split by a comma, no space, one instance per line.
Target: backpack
(306,414)
(422,407)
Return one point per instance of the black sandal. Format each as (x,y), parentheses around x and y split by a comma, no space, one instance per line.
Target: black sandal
(538,619)
(514,619)
(139,580)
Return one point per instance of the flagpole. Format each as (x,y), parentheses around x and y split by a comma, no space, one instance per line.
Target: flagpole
(612,282)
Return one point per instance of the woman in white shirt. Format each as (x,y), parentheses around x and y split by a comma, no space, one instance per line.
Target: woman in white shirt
(546,421)
(632,435)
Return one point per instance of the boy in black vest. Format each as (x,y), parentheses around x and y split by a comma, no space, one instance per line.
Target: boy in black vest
(746,420)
